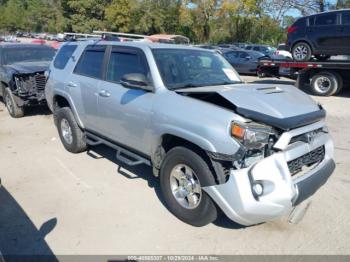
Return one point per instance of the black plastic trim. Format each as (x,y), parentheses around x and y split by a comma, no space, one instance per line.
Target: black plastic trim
(310,185)
(284,123)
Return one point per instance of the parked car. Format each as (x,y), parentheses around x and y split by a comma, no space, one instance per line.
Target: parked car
(321,35)
(245,62)
(265,49)
(282,50)
(22,68)
(229,46)
(255,151)
(241,45)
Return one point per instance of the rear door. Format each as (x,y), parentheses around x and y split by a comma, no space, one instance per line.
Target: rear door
(324,31)
(124,113)
(344,42)
(83,84)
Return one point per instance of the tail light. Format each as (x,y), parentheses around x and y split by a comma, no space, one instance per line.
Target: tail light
(292,29)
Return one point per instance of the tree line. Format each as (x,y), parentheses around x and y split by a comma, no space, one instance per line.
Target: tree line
(205,21)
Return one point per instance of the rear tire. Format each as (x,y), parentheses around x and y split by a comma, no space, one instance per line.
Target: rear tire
(14,110)
(325,83)
(301,52)
(72,137)
(183,174)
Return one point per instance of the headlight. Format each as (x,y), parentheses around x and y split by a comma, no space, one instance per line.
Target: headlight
(251,135)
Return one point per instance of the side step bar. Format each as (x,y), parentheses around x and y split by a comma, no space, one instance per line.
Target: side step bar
(123,155)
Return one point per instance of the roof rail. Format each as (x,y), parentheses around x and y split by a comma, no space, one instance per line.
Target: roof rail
(122,36)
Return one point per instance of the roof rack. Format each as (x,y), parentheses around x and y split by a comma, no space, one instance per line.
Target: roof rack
(79,36)
(123,37)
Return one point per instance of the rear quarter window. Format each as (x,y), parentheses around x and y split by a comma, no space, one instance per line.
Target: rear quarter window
(63,56)
(300,22)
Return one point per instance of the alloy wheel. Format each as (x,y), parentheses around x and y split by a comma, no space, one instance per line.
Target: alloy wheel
(66,131)
(185,186)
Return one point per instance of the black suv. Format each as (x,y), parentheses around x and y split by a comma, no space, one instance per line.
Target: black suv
(321,35)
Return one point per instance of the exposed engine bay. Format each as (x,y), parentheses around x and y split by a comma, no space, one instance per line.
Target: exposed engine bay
(30,87)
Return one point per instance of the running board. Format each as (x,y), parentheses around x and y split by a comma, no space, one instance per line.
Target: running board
(123,155)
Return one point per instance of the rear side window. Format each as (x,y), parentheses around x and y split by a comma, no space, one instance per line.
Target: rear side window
(125,62)
(63,56)
(91,62)
(248,47)
(346,18)
(327,19)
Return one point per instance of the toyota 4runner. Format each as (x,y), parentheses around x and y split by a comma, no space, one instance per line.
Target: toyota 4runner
(255,151)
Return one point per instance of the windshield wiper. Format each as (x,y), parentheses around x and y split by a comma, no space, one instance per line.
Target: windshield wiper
(189,85)
(225,83)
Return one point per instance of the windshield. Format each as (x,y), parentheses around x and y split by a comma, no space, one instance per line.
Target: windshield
(185,68)
(27,54)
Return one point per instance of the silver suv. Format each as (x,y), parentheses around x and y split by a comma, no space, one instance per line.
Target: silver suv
(253,151)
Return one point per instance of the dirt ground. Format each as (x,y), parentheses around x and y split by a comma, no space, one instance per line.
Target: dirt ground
(54,202)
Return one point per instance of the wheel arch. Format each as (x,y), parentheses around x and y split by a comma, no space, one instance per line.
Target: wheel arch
(169,141)
(61,100)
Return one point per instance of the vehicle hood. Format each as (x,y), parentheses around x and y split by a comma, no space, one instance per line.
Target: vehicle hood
(28,67)
(282,106)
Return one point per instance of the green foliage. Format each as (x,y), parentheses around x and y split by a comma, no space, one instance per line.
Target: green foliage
(212,21)
(118,15)
(343,4)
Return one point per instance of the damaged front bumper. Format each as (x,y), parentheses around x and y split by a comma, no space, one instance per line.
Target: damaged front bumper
(29,88)
(279,190)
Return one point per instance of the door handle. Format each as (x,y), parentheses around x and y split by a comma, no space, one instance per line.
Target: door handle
(104,93)
(71,84)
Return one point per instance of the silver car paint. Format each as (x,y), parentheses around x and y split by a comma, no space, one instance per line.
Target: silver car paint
(235,197)
(144,118)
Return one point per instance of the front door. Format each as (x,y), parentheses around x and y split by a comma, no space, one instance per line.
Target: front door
(344,42)
(124,113)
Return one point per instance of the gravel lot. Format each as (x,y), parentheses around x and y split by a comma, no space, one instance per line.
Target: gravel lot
(54,202)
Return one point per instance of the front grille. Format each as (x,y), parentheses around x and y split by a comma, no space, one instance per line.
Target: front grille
(306,136)
(316,155)
(40,81)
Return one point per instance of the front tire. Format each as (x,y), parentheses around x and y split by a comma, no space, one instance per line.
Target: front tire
(72,137)
(301,52)
(183,174)
(14,110)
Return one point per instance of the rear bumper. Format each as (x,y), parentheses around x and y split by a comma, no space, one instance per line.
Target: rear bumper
(281,191)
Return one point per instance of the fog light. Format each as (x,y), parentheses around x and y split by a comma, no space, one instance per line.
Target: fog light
(258,189)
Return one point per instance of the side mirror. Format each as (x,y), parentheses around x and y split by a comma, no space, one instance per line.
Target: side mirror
(136,81)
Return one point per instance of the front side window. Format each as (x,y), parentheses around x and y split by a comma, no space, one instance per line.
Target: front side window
(231,56)
(346,18)
(184,68)
(124,62)
(327,19)
(91,62)
(63,56)
(27,54)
